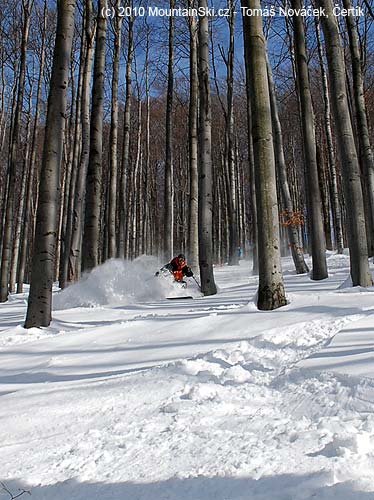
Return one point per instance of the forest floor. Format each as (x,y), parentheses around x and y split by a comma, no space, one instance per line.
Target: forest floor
(128,395)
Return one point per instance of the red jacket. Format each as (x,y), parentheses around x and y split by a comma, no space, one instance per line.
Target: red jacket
(179,268)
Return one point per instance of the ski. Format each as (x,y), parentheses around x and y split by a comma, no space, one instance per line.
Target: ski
(179,298)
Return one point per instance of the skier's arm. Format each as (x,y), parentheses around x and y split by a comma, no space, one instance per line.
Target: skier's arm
(187,271)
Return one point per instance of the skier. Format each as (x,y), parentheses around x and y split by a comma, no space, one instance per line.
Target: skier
(178,268)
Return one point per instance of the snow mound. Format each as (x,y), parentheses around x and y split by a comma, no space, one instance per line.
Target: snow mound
(115,281)
(347,287)
(337,261)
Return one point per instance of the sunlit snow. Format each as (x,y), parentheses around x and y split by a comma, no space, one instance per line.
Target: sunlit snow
(128,395)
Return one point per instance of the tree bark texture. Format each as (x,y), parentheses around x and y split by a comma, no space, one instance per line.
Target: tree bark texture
(193,241)
(208,286)
(292,231)
(32,166)
(230,141)
(271,294)
(358,251)
(362,122)
(91,237)
(73,262)
(42,273)
(113,162)
(168,224)
(318,244)
(14,152)
(335,203)
(250,149)
(126,136)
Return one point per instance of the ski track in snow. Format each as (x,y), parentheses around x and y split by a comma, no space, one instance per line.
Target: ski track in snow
(244,420)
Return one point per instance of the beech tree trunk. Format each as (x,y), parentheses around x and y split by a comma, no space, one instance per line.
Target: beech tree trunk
(75,219)
(69,175)
(32,166)
(147,234)
(66,274)
(292,230)
(232,202)
(318,244)
(126,137)
(250,149)
(362,122)
(2,97)
(113,162)
(324,190)
(20,209)
(40,296)
(91,234)
(271,294)
(14,152)
(208,286)
(168,224)
(335,204)
(193,240)
(358,251)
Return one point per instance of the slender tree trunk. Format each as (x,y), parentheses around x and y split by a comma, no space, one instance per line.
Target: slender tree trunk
(293,236)
(113,161)
(335,204)
(147,174)
(319,270)
(32,168)
(4,114)
(63,188)
(2,95)
(40,296)
(251,161)
(218,220)
(362,122)
(243,207)
(126,133)
(168,225)
(73,263)
(20,208)
(324,190)
(104,250)
(233,259)
(208,285)
(64,274)
(135,235)
(14,152)
(253,207)
(348,156)
(9,111)
(12,103)
(193,240)
(69,173)
(271,294)
(91,240)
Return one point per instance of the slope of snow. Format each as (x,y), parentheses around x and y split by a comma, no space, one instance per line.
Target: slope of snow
(129,395)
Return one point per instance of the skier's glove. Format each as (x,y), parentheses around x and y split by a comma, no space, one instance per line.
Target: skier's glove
(189,272)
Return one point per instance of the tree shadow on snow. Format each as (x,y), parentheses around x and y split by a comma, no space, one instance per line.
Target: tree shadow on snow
(282,487)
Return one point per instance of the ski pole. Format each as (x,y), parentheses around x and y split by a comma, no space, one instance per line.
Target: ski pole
(196,282)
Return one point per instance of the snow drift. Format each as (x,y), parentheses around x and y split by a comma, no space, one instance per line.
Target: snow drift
(116,281)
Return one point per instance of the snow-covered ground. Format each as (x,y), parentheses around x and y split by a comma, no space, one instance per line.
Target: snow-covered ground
(128,395)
